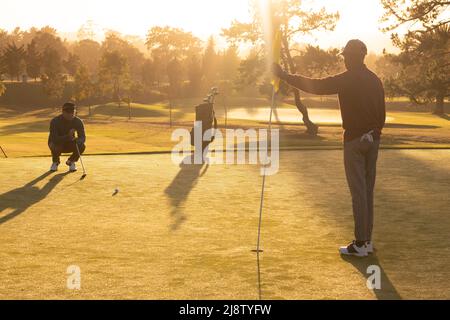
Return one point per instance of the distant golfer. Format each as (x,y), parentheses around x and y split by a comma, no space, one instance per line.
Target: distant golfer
(362,104)
(62,138)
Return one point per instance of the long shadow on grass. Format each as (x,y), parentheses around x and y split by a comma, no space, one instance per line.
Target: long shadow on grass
(411,202)
(122,111)
(181,186)
(33,126)
(22,198)
(387,290)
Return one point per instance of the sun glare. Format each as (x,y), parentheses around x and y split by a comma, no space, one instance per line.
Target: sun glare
(201,17)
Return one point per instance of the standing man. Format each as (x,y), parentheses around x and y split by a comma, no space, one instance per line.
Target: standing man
(362,104)
(62,137)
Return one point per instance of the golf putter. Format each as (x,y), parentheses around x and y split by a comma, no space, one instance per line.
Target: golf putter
(81,160)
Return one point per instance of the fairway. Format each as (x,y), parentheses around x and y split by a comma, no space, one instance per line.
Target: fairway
(186,232)
(110,132)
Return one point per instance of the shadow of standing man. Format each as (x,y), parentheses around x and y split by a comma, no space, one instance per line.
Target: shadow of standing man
(22,198)
(387,290)
(181,186)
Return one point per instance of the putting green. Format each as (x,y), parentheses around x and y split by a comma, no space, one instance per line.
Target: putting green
(187,232)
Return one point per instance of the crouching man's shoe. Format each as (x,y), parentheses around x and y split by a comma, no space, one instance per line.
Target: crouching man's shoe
(354,250)
(72,166)
(54,167)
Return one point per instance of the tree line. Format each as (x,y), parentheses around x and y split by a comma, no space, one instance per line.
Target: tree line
(178,64)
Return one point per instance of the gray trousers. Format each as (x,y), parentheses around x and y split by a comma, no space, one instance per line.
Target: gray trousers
(360,159)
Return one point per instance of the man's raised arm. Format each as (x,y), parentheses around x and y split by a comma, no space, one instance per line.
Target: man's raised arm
(323,86)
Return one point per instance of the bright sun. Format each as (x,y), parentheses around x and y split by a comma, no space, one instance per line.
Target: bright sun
(202,17)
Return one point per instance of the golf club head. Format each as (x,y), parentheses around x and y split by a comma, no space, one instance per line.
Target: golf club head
(83,177)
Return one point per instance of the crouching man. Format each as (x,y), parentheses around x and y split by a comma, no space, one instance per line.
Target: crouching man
(62,138)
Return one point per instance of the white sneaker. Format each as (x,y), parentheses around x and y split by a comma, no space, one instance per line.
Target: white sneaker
(72,166)
(353,250)
(369,245)
(54,167)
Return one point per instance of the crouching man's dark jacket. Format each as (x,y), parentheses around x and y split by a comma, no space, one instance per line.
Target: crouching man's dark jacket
(60,128)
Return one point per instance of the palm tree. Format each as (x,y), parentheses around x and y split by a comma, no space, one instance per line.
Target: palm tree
(13,60)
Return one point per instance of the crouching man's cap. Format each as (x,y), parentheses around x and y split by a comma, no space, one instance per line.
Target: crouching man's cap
(69,107)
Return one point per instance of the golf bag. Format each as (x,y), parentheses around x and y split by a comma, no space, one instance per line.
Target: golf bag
(204,115)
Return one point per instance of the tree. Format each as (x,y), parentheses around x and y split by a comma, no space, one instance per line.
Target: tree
(251,70)
(424,60)
(194,74)
(71,64)
(51,62)
(318,63)
(54,85)
(148,73)
(135,58)
(46,38)
(387,68)
(113,74)
(424,68)
(166,44)
(429,14)
(13,60)
(84,87)
(210,63)
(89,53)
(4,39)
(33,61)
(171,43)
(175,74)
(293,20)
(87,31)
(132,89)
(229,64)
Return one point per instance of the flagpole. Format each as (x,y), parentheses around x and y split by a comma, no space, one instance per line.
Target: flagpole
(261,205)
(276,55)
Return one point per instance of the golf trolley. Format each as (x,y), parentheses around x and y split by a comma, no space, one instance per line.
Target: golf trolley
(205,120)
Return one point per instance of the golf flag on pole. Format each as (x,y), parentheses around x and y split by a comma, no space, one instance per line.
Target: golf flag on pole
(276,53)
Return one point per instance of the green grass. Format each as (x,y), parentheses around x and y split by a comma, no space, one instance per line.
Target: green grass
(25,132)
(187,232)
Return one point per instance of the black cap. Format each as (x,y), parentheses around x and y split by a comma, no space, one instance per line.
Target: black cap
(69,107)
(355,47)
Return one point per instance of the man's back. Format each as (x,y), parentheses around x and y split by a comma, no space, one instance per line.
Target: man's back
(362,103)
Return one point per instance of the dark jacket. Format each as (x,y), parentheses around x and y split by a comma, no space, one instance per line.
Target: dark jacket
(361,99)
(59,130)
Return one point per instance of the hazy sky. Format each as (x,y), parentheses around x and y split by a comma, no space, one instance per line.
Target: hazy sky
(359,18)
